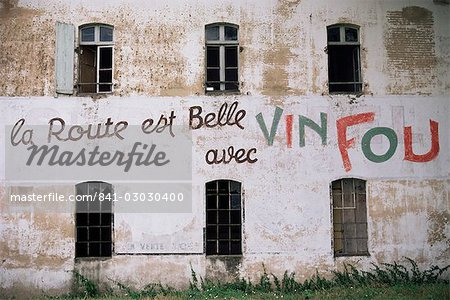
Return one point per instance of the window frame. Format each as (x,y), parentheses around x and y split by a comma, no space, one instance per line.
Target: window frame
(357,82)
(357,206)
(209,240)
(88,227)
(98,44)
(222,43)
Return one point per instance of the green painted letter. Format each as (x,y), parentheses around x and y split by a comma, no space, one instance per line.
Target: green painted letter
(320,130)
(365,144)
(273,128)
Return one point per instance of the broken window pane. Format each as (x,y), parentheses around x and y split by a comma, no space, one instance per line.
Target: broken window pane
(351,34)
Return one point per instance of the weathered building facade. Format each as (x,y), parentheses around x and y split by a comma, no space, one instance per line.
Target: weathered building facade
(319,135)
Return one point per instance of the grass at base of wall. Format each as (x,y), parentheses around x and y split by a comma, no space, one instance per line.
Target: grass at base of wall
(435,291)
(386,281)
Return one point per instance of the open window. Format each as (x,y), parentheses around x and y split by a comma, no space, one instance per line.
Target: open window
(222,51)
(344,70)
(96,58)
(223,218)
(349,217)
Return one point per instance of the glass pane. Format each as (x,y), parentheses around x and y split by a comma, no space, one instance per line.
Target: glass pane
(106,234)
(82,234)
(211,232)
(88,34)
(224,247)
(231,33)
(333,34)
(235,232)
(211,217)
(224,232)
(362,246)
(94,233)
(211,202)
(211,247)
(224,217)
(360,186)
(236,247)
(212,75)
(94,249)
(350,246)
(106,34)
(231,57)
(348,216)
(105,87)
(235,217)
(224,202)
(337,200)
(235,201)
(105,76)
(232,86)
(223,186)
(82,206)
(231,75)
(351,34)
(235,187)
(211,187)
(212,33)
(82,219)
(212,57)
(94,207)
(106,205)
(106,58)
(81,250)
(106,249)
(336,186)
(94,219)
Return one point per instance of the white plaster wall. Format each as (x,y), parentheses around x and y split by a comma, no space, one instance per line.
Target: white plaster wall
(287,223)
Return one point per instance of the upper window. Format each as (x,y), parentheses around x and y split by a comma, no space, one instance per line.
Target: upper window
(222,48)
(223,217)
(93,220)
(344,70)
(96,58)
(349,217)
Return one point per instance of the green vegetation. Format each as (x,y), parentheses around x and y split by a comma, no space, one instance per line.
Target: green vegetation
(387,281)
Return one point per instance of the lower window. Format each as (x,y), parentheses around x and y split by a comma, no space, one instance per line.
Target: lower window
(93,220)
(349,217)
(223,217)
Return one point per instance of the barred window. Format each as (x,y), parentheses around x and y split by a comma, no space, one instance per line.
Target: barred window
(222,49)
(349,217)
(223,217)
(93,220)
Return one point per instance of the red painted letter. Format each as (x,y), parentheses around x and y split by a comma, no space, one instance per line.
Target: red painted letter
(430,155)
(289,130)
(343,143)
